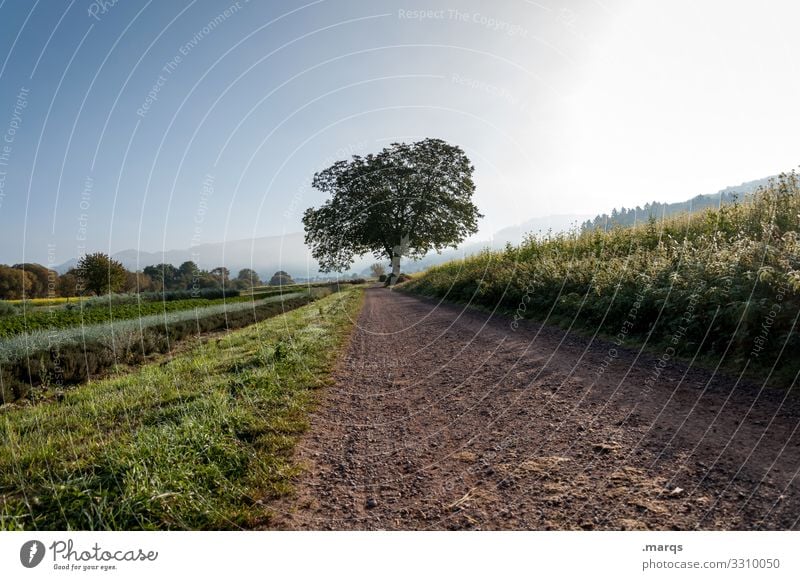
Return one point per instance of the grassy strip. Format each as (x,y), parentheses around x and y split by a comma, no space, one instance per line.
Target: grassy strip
(196,443)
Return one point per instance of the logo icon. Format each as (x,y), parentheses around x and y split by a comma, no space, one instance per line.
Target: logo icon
(31,553)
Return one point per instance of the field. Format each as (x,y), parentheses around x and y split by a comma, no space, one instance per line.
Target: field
(43,362)
(57,301)
(721,286)
(198,442)
(55,318)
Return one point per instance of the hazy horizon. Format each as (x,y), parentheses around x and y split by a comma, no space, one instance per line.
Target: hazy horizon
(163,126)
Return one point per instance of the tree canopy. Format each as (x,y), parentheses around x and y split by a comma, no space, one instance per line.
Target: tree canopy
(101,274)
(281,278)
(165,276)
(249,277)
(43,279)
(403,201)
(15,283)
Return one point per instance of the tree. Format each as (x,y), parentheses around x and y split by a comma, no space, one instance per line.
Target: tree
(15,283)
(69,283)
(377,269)
(101,274)
(45,280)
(188,273)
(221,273)
(249,276)
(203,280)
(138,282)
(281,278)
(164,276)
(403,201)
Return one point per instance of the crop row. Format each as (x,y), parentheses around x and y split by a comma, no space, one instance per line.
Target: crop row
(60,318)
(62,357)
(118,299)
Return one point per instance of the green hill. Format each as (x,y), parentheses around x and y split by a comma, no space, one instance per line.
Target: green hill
(723,284)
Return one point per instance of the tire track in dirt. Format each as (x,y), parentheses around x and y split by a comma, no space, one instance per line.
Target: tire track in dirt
(446,418)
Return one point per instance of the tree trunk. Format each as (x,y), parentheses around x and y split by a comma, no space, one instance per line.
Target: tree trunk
(395,269)
(397,253)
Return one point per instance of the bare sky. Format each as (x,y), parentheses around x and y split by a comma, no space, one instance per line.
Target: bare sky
(564,107)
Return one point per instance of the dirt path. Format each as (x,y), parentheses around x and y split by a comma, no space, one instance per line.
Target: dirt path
(445,418)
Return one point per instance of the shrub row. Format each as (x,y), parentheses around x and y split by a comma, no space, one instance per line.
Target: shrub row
(71,361)
(205,293)
(17,306)
(66,317)
(317,289)
(8,309)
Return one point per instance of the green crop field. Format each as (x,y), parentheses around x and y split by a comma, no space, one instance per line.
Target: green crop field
(60,317)
(53,359)
(194,443)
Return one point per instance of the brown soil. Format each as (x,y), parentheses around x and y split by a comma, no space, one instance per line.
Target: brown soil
(447,418)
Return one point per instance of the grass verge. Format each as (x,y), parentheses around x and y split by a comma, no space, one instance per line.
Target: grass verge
(199,442)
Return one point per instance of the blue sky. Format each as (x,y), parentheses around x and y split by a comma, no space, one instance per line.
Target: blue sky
(156,125)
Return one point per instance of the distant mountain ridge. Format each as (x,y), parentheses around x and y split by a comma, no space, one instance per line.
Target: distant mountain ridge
(267,255)
(658,210)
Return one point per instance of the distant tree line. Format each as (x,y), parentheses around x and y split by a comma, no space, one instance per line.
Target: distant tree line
(98,273)
(626,217)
